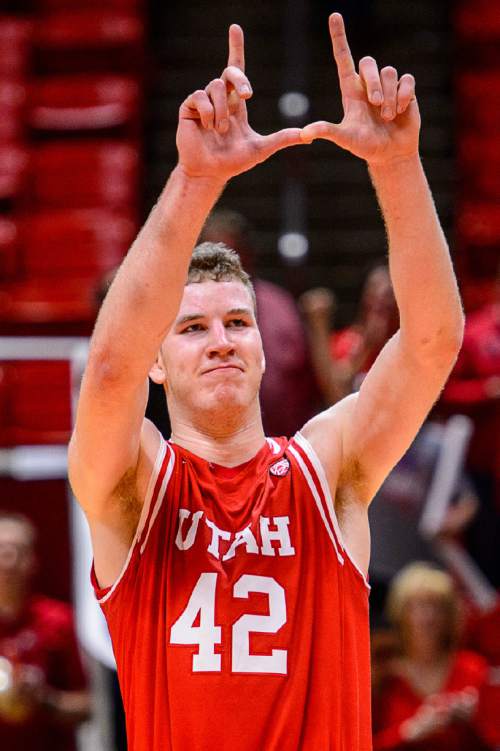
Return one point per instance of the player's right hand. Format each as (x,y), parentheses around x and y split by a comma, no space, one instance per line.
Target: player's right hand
(214,138)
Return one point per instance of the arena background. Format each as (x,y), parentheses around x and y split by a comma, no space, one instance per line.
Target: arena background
(89,94)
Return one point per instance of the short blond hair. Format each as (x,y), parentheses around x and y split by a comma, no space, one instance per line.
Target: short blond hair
(217,263)
(423,578)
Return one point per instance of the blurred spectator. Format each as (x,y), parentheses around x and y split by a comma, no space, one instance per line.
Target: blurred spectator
(474,389)
(288,393)
(341,359)
(398,509)
(43,694)
(427,693)
(483,635)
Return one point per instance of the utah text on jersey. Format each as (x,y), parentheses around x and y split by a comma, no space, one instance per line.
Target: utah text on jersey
(245,538)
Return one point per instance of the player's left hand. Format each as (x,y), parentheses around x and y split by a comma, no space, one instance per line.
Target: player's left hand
(381,120)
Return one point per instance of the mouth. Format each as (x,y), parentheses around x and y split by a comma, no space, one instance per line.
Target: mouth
(228,368)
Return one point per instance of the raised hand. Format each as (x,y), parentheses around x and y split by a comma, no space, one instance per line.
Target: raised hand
(428,720)
(381,120)
(318,306)
(214,138)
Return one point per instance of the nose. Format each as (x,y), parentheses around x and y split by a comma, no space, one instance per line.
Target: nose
(219,343)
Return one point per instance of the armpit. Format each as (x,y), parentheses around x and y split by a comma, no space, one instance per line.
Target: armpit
(126,496)
(352,485)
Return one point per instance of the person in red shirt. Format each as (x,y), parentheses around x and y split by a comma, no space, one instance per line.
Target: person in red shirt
(427,697)
(43,689)
(474,390)
(232,568)
(483,636)
(343,358)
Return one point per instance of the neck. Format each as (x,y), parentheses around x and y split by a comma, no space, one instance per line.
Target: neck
(232,443)
(426,654)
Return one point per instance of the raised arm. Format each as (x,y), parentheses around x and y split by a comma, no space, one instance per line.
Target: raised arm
(373,429)
(214,142)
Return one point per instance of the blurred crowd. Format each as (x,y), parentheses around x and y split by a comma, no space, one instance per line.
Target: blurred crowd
(436,555)
(435,523)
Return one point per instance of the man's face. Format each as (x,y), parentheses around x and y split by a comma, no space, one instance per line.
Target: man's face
(16,552)
(212,355)
(378,295)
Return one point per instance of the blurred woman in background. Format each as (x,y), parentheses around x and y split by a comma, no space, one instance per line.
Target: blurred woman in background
(427,694)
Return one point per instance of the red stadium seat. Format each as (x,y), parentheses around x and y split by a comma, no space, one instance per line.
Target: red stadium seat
(82,103)
(9,250)
(479,162)
(477,21)
(15,47)
(47,301)
(4,406)
(38,408)
(50,5)
(108,175)
(13,170)
(478,100)
(12,108)
(476,292)
(76,242)
(477,151)
(85,40)
(479,223)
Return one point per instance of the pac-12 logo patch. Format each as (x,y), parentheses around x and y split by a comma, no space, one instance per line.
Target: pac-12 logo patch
(280,468)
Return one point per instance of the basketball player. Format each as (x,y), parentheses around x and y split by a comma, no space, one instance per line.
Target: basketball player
(232,568)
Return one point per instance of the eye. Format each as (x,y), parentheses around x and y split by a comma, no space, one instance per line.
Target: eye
(192,328)
(237,322)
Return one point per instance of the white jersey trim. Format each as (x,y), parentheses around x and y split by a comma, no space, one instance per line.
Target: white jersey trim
(160,456)
(161,495)
(273,445)
(321,475)
(317,500)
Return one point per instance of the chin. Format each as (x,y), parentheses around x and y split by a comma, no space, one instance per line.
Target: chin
(227,396)
(224,397)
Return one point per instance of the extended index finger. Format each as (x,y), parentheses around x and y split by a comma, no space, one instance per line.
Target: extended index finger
(236,47)
(341,51)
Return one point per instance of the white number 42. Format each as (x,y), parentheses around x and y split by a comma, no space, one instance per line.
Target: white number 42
(207,634)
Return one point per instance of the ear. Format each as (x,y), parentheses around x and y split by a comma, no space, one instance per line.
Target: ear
(263,363)
(157,371)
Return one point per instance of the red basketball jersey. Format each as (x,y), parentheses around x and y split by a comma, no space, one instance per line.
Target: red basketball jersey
(239,620)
